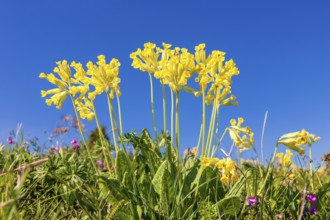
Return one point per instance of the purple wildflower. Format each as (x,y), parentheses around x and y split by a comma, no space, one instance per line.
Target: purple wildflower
(75,144)
(100,164)
(10,140)
(25,144)
(56,149)
(312,210)
(252,201)
(311,198)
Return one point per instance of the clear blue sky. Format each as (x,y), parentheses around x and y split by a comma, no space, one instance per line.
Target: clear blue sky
(281,48)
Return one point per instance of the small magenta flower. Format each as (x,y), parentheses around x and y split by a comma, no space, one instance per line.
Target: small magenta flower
(10,141)
(25,144)
(57,149)
(252,201)
(100,164)
(75,144)
(312,210)
(311,198)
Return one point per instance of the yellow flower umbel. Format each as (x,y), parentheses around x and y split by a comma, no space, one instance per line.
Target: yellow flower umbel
(104,77)
(235,132)
(213,70)
(63,83)
(85,108)
(225,166)
(176,67)
(147,59)
(295,140)
(285,160)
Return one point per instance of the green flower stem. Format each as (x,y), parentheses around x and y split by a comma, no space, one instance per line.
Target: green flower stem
(164,106)
(172,117)
(217,146)
(269,169)
(112,123)
(82,132)
(177,129)
(211,127)
(153,106)
(238,157)
(120,133)
(116,126)
(102,138)
(217,119)
(119,114)
(199,139)
(311,166)
(203,123)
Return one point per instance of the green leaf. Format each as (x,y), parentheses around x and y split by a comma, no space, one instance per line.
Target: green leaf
(164,185)
(122,165)
(114,187)
(229,206)
(159,176)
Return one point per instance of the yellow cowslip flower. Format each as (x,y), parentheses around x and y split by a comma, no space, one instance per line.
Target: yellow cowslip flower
(220,164)
(230,165)
(64,84)
(235,130)
(80,74)
(172,67)
(104,77)
(176,68)
(228,169)
(224,179)
(286,159)
(147,59)
(211,70)
(226,166)
(280,158)
(295,140)
(208,161)
(85,108)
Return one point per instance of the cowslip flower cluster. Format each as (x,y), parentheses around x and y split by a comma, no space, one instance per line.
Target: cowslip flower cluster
(285,160)
(102,76)
(242,136)
(295,140)
(85,107)
(172,67)
(226,167)
(212,69)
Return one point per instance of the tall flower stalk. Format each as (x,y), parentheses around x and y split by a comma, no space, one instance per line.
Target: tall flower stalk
(164,106)
(177,128)
(110,107)
(153,106)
